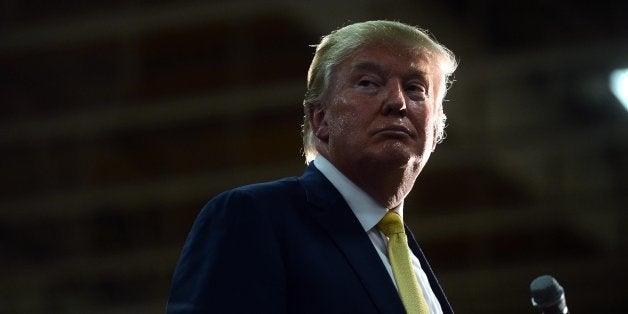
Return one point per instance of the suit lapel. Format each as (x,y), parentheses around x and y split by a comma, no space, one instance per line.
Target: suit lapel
(436,288)
(327,206)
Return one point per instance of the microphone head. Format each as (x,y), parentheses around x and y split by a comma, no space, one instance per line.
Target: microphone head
(547,295)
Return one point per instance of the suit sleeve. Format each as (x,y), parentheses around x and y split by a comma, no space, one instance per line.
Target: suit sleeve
(231,261)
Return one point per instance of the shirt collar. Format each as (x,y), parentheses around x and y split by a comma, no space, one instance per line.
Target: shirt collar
(364,207)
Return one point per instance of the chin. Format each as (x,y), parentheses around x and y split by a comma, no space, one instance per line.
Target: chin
(399,156)
(402,148)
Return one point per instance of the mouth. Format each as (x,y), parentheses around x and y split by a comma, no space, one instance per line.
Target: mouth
(394,131)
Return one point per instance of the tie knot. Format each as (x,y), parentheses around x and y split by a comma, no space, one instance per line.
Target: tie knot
(391,224)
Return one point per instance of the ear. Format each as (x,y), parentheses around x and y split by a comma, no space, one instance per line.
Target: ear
(317,117)
(436,127)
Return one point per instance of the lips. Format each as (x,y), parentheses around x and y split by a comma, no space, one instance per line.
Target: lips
(395,131)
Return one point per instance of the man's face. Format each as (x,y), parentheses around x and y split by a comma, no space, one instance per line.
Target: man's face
(381,109)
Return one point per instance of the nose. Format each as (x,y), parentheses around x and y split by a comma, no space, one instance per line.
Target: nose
(395,100)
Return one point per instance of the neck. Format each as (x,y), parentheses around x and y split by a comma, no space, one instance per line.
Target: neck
(387,184)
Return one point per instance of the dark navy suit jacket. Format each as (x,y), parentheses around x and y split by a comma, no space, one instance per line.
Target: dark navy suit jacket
(288,246)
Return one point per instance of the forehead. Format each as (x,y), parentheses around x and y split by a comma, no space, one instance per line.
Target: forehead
(388,58)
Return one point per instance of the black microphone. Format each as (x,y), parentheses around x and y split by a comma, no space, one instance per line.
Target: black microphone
(548,296)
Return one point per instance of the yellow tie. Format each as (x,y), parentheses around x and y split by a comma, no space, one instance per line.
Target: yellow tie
(399,258)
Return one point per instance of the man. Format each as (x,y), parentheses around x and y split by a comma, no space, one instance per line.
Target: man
(315,244)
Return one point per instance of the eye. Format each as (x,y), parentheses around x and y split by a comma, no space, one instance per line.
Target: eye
(366,83)
(416,91)
(415,88)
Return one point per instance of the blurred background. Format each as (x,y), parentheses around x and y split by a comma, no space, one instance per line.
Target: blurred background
(120,119)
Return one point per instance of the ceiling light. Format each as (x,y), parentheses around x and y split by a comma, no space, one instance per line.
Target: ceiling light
(619,85)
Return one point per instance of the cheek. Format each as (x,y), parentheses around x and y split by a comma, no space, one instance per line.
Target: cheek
(341,117)
(421,117)
(425,120)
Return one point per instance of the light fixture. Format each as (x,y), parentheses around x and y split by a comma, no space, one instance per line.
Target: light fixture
(619,85)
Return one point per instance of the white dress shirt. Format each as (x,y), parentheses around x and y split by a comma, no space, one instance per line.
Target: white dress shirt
(369,213)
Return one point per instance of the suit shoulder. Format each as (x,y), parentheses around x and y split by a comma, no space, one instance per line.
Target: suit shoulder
(257,195)
(277,186)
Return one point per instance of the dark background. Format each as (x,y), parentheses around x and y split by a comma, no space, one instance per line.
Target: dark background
(120,119)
